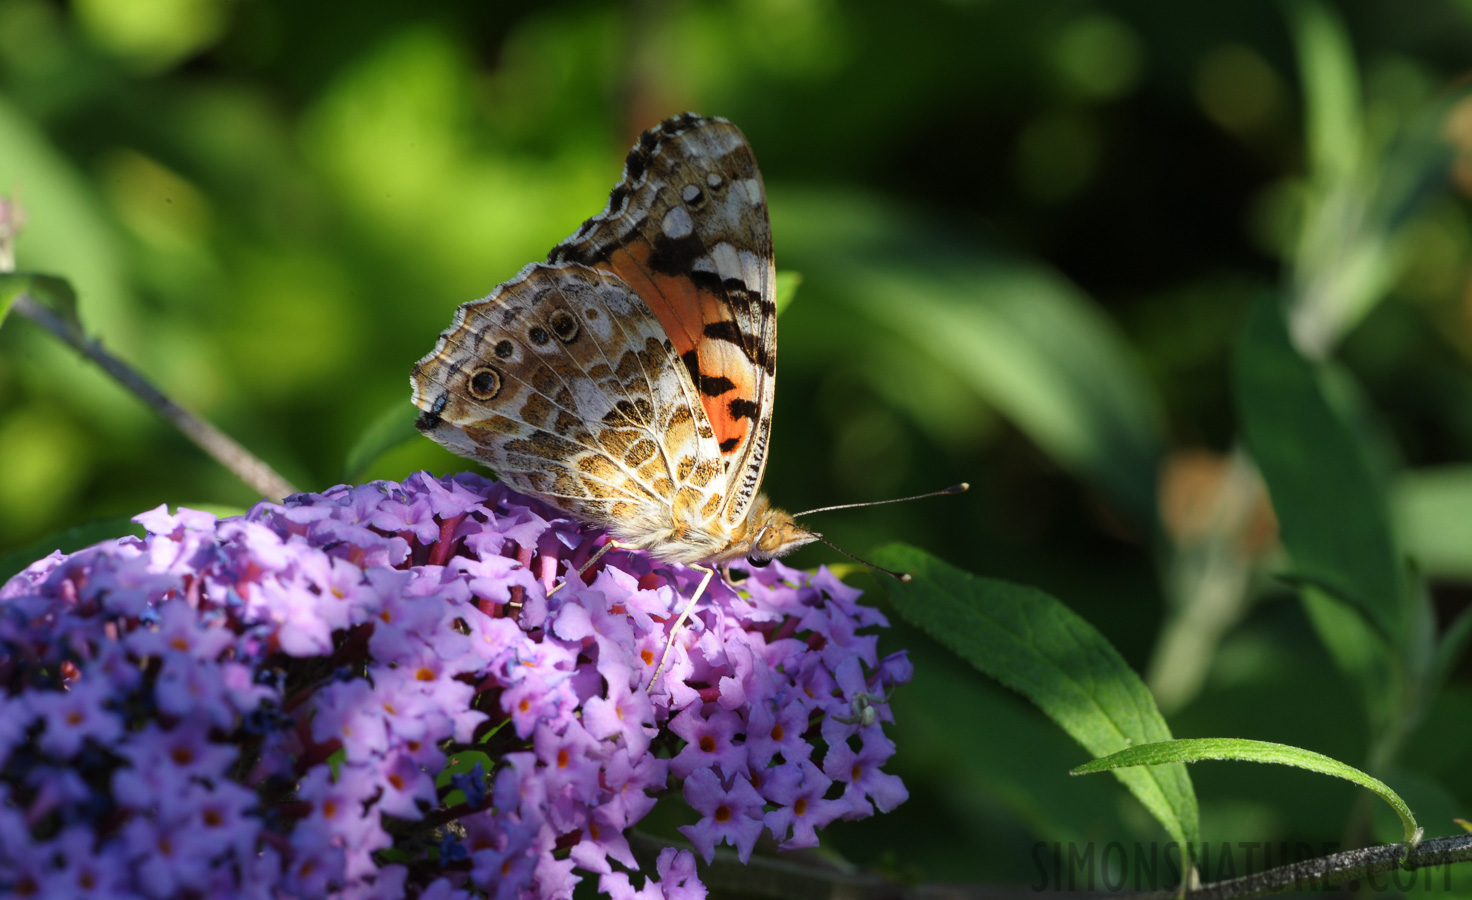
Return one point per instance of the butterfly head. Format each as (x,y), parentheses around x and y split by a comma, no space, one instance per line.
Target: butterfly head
(770,533)
(779,535)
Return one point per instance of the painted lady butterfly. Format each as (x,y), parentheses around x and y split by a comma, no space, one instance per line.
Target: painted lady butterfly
(629,378)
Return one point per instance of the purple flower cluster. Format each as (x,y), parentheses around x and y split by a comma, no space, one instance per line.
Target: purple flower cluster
(368,693)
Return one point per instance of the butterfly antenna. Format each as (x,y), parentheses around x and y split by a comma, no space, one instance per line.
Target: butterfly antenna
(899,576)
(953,489)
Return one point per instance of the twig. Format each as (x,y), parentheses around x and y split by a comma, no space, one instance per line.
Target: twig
(1324,871)
(794,878)
(212,440)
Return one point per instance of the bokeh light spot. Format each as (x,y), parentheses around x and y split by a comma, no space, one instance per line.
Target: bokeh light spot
(1237,89)
(1099,56)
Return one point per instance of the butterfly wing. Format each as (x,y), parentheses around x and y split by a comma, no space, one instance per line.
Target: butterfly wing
(565,383)
(686,228)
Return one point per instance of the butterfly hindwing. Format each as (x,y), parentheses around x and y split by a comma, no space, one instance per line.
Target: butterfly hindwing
(565,383)
(687,229)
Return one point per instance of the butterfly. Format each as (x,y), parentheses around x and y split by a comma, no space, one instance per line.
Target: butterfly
(629,379)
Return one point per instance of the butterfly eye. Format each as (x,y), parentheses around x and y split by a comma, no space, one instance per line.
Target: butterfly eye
(565,326)
(485,383)
(758,563)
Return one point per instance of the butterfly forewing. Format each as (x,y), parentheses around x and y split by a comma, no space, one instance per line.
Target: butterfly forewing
(687,228)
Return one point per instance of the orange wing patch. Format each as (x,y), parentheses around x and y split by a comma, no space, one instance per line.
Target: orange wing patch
(686,229)
(729,399)
(718,365)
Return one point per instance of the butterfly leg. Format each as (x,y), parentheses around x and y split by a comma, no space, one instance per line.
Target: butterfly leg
(730,578)
(680,623)
(592,560)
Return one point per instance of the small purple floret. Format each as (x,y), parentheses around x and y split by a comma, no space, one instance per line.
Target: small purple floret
(283,704)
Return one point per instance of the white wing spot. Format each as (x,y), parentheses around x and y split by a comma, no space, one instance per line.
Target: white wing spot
(599,324)
(713,180)
(690,193)
(727,260)
(751,265)
(677,223)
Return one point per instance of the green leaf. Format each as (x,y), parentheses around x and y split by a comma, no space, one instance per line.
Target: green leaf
(1027,774)
(1433,518)
(67,541)
(51,290)
(218,510)
(1012,331)
(1033,346)
(11,286)
(787,285)
(1452,646)
(1369,176)
(394,427)
(1333,516)
(1331,89)
(1038,647)
(1196,749)
(57,293)
(1358,650)
(463,761)
(69,228)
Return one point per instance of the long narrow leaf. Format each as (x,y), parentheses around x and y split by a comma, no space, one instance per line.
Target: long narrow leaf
(1035,645)
(1008,330)
(1330,87)
(1197,749)
(1333,515)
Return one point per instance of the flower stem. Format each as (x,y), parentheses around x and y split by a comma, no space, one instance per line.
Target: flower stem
(791,878)
(245,465)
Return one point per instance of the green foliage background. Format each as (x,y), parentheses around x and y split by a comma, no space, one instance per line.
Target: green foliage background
(1029,235)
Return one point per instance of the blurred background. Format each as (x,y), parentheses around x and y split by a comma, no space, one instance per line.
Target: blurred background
(1027,234)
